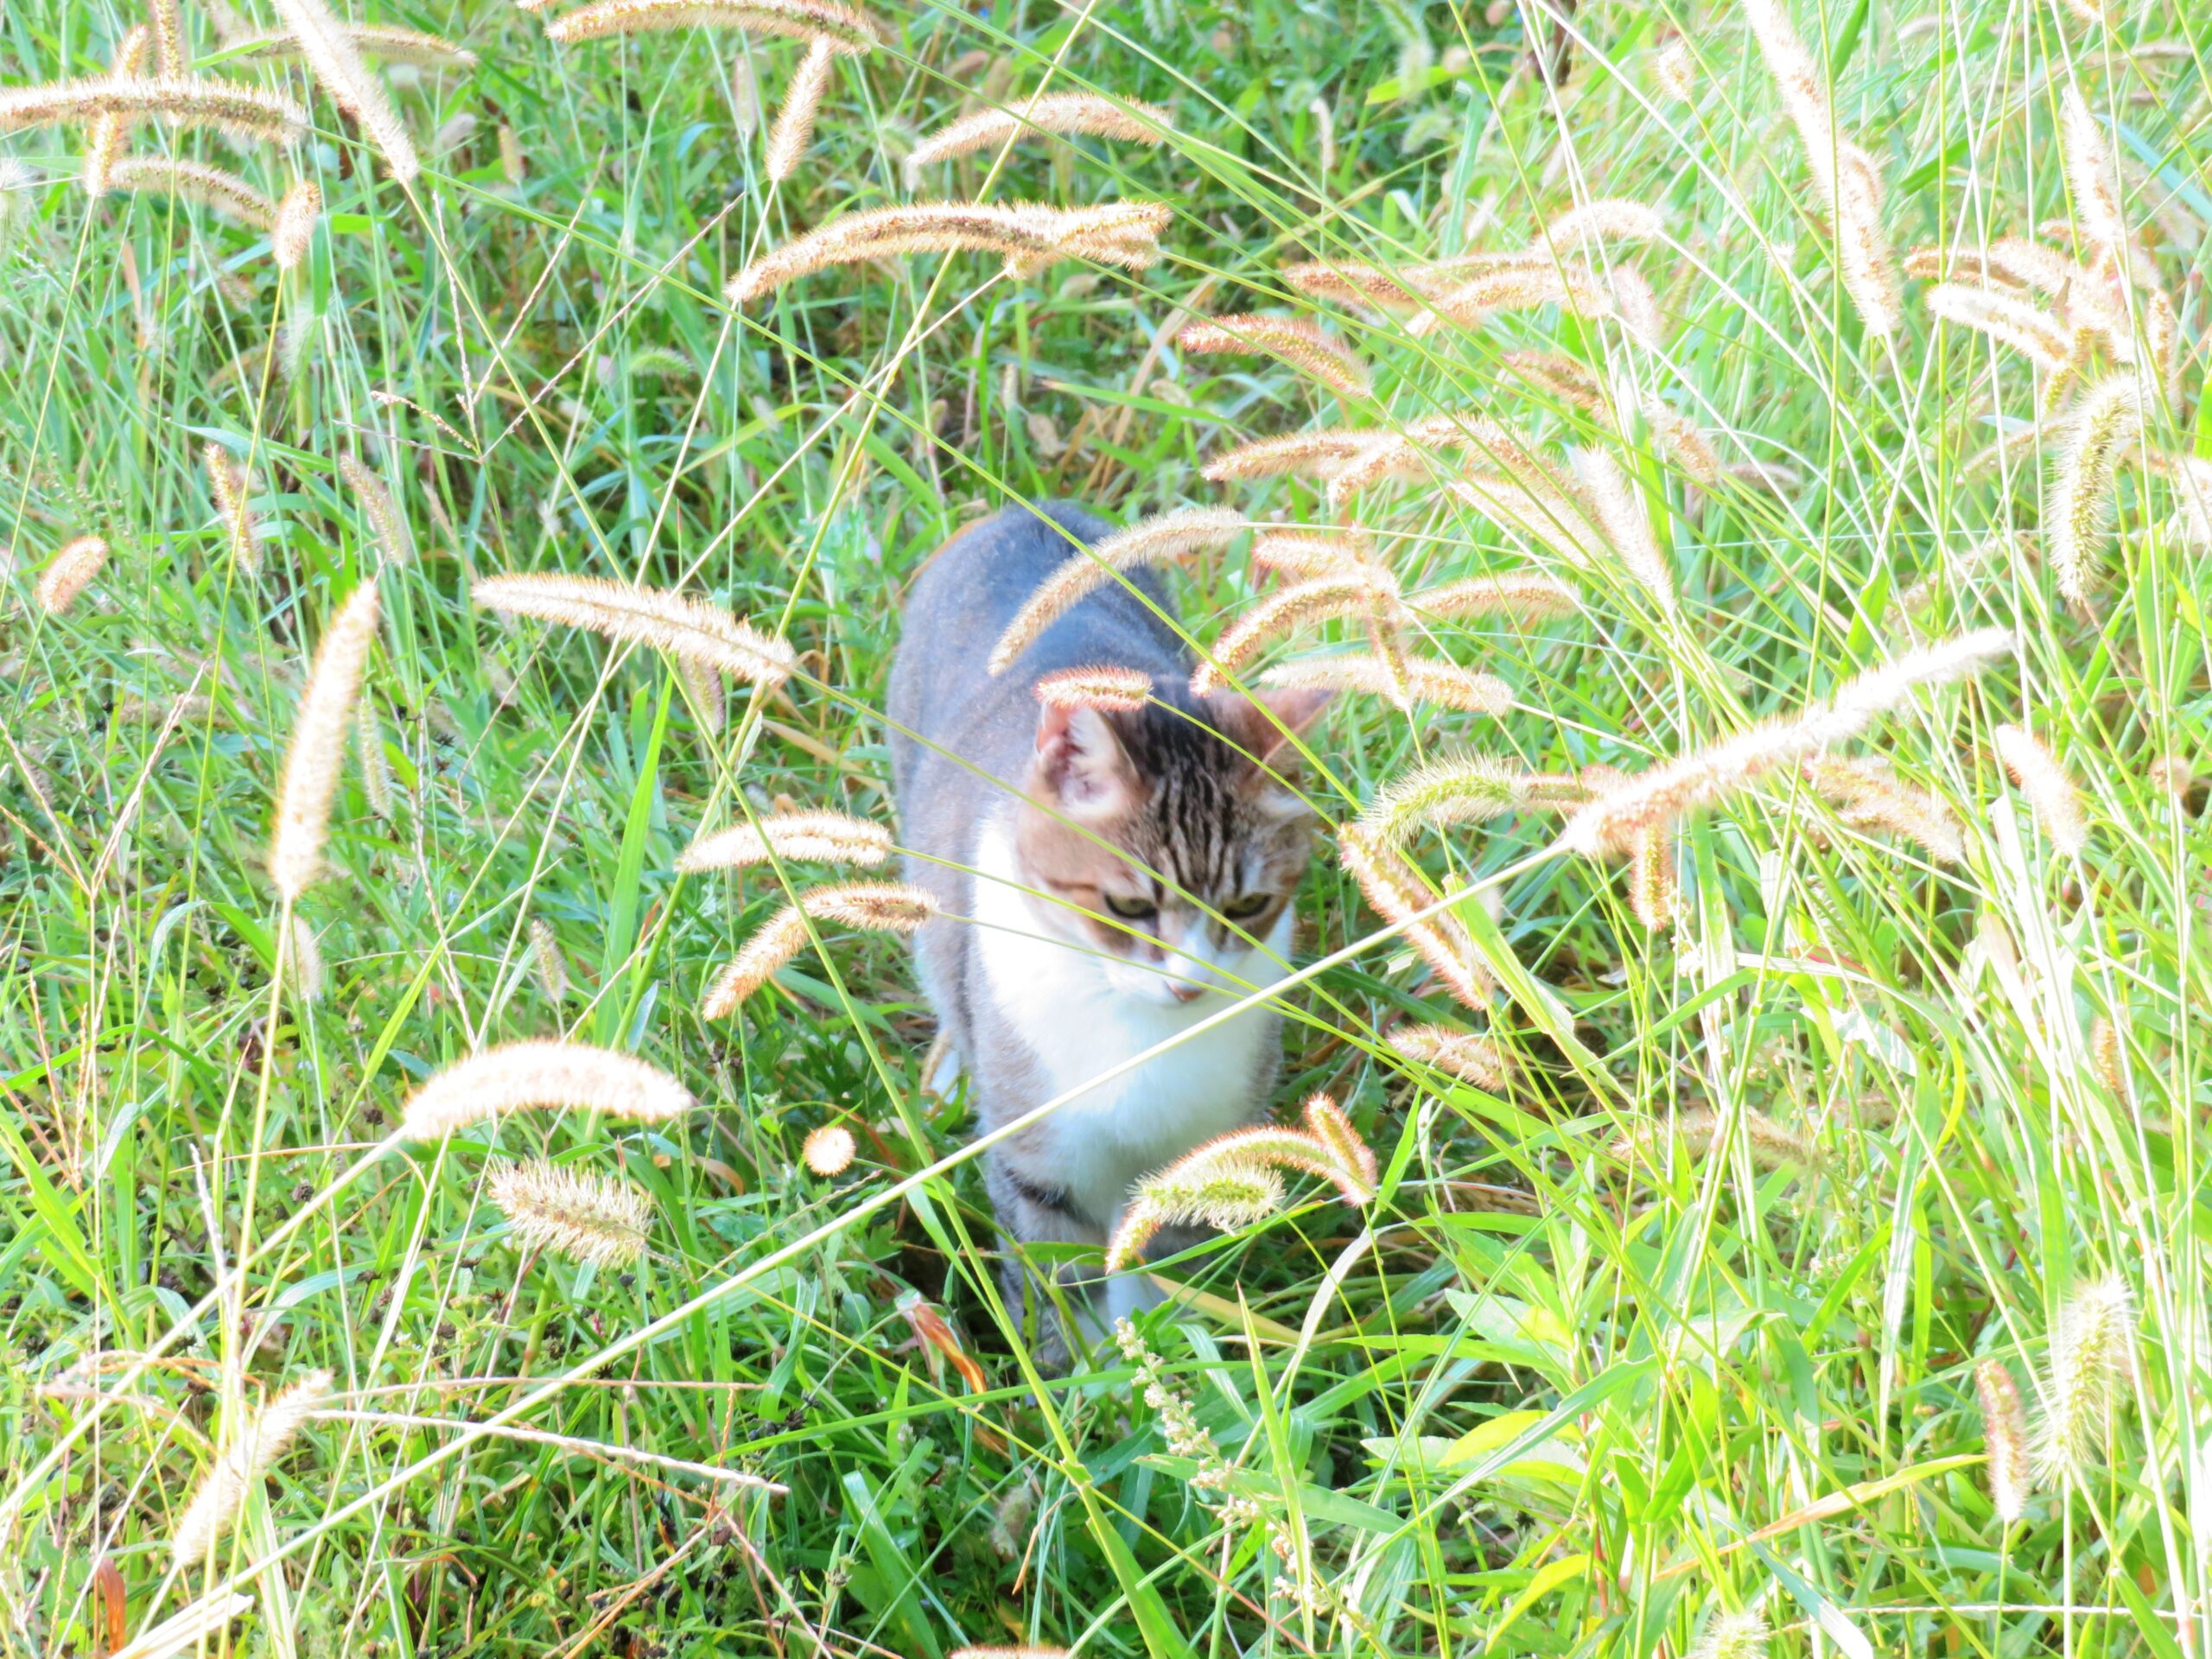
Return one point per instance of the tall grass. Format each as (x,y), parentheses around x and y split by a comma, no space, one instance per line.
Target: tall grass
(1714,1171)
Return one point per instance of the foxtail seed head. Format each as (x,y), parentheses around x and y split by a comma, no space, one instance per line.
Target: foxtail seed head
(1458,1054)
(519,1077)
(2089,1354)
(244,112)
(109,136)
(1445,684)
(672,622)
(2097,441)
(794,127)
(295,217)
(1296,340)
(798,837)
(335,61)
(246,1457)
(1045,112)
(593,1218)
(318,743)
(228,484)
(1171,536)
(2052,794)
(1122,690)
(842,27)
(2004,1432)
(71,571)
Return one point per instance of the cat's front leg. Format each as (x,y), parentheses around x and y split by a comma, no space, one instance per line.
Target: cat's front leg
(1033,1210)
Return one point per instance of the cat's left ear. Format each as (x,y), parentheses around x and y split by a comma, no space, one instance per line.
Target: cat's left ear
(1263,726)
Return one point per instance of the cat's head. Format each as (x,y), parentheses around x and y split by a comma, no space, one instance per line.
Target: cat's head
(1171,839)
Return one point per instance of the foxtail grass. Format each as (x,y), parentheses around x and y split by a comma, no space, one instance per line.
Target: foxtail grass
(1301,605)
(794,127)
(2089,1359)
(800,838)
(671,622)
(882,907)
(384,44)
(335,61)
(547,962)
(1396,893)
(1301,343)
(1045,112)
(2095,442)
(1425,680)
(246,1457)
(1181,534)
(842,27)
(1122,690)
(593,1218)
(228,484)
(244,112)
(2005,1432)
(1305,455)
(108,136)
(1666,792)
(69,573)
(1028,236)
(211,187)
(1463,789)
(1457,1053)
(2050,791)
(1871,796)
(318,743)
(526,1075)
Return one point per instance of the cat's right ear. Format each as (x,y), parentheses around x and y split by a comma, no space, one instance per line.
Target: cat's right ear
(1082,767)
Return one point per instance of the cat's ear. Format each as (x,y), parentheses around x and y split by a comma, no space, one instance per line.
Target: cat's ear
(1081,764)
(1263,726)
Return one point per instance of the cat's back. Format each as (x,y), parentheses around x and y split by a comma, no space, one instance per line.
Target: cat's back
(950,715)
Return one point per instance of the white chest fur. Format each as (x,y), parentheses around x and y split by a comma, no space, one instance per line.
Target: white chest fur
(1078,1026)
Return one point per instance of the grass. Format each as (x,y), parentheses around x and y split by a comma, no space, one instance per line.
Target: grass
(1572,1384)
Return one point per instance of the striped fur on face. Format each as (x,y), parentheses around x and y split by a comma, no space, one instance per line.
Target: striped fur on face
(1170,840)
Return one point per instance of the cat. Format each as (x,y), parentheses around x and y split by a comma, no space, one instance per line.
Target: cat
(1108,880)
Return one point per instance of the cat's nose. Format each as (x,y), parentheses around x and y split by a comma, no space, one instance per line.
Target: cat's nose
(1184,991)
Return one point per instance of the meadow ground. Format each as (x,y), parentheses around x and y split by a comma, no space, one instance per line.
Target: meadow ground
(1814,1263)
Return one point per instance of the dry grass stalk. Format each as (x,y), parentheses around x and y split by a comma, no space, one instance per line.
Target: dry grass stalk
(593,1218)
(1467,789)
(1771,1145)
(211,187)
(336,64)
(547,962)
(1652,882)
(1287,609)
(1122,690)
(239,1467)
(1869,797)
(798,837)
(1181,534)
(1398,894)
(2026,329)
(387,45)
(244,112)
(2052,794)
(1459,1053)
(73,569)
(844,30)
(882,907)
(1304,345)
(1045,112)
(318,743)
(1117,233)
(2089,1355)
(520,1077)
(1305,455)
(829,1150)
(1427,680)
(228,484)
(385,524)
(671,622)
(1615,218)
(2004,1432)
(1663,793)
(2104,426)
(293,234)
(109,136)
(1622,520)
(794,127)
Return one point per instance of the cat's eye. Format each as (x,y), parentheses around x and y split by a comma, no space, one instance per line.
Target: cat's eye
(1245,906)
(1129,908)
